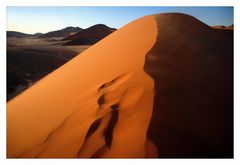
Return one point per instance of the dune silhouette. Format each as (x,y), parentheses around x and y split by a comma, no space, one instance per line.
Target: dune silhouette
(62,32)
(88,36)
(223,27)
(161,86)
(17,34)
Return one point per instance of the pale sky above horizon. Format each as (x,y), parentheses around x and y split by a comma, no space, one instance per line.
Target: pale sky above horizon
(44,19)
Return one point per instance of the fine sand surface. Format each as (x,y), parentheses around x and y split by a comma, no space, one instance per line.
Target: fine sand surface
(161,86)
(106,82)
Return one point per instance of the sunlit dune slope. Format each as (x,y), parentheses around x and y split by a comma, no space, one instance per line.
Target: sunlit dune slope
(97,105)
(192,66)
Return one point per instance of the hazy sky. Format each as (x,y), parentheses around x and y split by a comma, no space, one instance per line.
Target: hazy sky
(44,19)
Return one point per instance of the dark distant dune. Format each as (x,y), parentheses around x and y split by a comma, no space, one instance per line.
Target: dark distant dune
(231,27)
(17,34)
(219,27)
(192,66)
(38,34)
(61,33)
(83,41)
(90,35)
(223,27)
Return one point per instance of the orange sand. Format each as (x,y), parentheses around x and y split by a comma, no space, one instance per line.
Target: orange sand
(52,118)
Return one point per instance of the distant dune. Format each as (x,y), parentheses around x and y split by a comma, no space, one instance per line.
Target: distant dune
(17,34)
(62,33)
(38,34)
(231,27)
(223,27)
(74,35)
(161,86)
(219,27)
(58,33)
(89,36)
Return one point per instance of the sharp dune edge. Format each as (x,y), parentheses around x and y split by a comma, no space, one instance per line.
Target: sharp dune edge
(161,86)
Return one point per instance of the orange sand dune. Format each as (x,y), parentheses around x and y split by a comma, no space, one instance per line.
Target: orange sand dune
(52,118)
(161,86)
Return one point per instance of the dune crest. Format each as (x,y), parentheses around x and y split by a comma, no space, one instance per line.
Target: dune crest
(99,104)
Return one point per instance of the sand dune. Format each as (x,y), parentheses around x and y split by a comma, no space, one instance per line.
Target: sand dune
(223,27)
(15,34)
(90,35)
(52,118)
(100,103)
(62,32)
(231,27)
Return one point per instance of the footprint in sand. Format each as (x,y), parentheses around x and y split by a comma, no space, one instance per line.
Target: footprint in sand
(111,93)
(100,133)
(116,95)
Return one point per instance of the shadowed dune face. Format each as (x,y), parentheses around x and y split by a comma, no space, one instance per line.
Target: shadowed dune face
(192,66)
